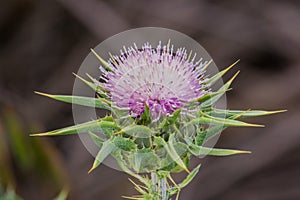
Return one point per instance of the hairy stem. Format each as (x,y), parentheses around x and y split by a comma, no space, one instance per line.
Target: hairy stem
(160,186)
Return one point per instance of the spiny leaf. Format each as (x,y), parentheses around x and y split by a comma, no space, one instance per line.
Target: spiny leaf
(79,100)
(124,143)
(243,114)
(90,84)
(210,95)
(169,120)
(172,151)
(185,182)
(219,75)
(189,177)
(95,86)
(108,118)
(144,160)
(106,149)
(98,141)
(96,82)
(220,121)
(167,162)
(186,160)
(225,87)
(95,125)
(138,131)
(200,137)
(103,62)
(213,131)
(200,150)
(118,156)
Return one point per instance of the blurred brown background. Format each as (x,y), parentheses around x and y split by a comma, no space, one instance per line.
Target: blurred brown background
(43,42)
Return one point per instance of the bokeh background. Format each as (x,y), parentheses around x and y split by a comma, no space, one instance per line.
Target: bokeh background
(43,41)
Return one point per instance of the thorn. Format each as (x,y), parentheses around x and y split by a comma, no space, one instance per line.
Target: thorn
(43,94)
(104,63)
(232,65)
(92,169)
(77,76)
(244,152)
(276,111)
(207,64)
(257,125)
(234,76)
(39,134)
(113,59)
(168,45)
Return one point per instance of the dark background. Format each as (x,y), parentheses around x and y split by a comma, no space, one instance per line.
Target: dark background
(43,42)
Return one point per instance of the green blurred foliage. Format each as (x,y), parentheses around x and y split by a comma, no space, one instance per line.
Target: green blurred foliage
(27,160)
(9,195)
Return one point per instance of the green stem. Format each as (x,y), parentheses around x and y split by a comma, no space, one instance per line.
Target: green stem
(154,180)
(163,188)
(160,185)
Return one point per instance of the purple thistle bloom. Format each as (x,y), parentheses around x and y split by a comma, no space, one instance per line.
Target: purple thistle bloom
(160,78)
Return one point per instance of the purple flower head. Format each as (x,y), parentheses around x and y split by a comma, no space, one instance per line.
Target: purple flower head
(160,78)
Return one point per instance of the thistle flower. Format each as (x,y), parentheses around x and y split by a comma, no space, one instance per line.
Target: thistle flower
(168,83)
(161,78)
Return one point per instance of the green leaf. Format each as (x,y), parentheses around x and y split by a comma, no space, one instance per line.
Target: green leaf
(118,157)
(200,150)
(186,160)
(79,100)
(145,142)
(169,120)
(172,151)
(189,177)
(219,121)
(185,182)
(212,131)
(138,131)
(219,75)
(124,143)
(200,137)
(144,160)
(241,113)
(108,118)
(214,99)
(168,164)
(96,125)
(9,195)
(145,118)
(106,149)
(62,195)
(210,95)
(98,141)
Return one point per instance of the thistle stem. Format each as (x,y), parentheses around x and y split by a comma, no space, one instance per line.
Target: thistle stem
(154,180)
(163,188)
(160,185)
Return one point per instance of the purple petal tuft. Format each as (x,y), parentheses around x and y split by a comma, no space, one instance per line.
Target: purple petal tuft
(158,77)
